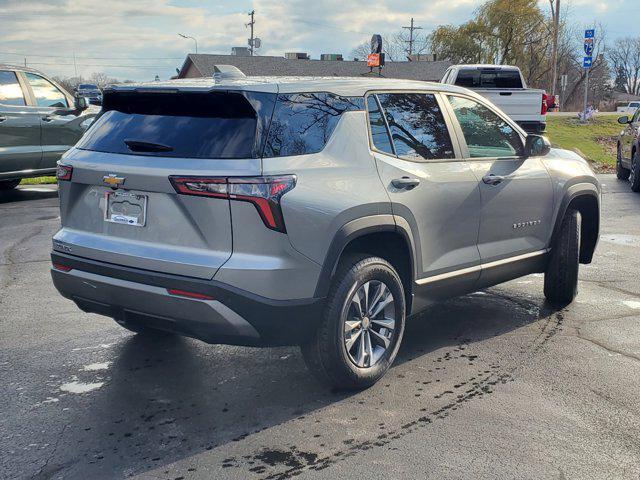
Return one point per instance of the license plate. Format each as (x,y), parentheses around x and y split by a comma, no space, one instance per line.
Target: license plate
(126,208)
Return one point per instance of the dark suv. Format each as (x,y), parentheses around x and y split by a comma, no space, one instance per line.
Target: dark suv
(628,159)
(319,212)
(39,121)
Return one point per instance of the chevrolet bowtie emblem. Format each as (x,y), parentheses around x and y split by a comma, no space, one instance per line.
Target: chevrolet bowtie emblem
(113,180)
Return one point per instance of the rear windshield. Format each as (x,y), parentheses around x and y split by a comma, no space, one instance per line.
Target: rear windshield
(217,125)
(489,78)
(87,86)
(190,125)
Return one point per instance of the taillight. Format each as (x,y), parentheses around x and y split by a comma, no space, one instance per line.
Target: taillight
(264,192)
(64,172)
(545,105)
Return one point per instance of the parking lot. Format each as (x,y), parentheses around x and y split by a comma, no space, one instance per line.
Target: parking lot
(495,384)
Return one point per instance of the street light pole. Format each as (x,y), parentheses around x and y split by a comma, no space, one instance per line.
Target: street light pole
(192,38)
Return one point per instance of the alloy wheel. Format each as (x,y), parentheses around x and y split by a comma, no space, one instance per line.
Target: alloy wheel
(370,324)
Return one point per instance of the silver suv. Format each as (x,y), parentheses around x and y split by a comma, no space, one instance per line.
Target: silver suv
(318,212)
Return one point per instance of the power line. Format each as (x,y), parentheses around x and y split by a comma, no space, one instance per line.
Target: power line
(411,39)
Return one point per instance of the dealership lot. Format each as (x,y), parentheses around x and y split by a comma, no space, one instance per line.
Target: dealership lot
(492,385)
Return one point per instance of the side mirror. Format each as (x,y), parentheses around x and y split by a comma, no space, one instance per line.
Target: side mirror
(536,146)
(624,120)
(80,103)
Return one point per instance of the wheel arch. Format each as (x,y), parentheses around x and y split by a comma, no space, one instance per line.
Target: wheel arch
(585,198)
(379,235)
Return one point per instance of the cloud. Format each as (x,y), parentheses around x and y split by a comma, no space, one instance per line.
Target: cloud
(138,39)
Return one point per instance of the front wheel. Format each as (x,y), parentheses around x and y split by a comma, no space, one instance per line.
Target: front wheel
(362,326)
(621,172)
(561,277)
(634,177)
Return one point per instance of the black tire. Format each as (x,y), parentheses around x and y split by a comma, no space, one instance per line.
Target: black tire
(561,277)
(634,177)
(621,172)
(327,355)
(9,184)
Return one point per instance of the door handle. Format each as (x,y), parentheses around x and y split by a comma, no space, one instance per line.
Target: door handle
(405,183)
(492,179)
(47,118)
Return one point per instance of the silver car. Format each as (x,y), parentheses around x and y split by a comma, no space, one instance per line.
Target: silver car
(320,212)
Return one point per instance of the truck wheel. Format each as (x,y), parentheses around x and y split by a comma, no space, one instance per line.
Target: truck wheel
(363,321)
(9,184)
(634,177)
(561,277)
(621,172)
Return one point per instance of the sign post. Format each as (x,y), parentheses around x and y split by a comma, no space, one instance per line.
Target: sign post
(587,63)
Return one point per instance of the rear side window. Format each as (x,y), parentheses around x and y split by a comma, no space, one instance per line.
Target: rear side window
(489,78)
(418,129)
(46,93)
(379,133)
(221,125)
(10,90)
(302,123)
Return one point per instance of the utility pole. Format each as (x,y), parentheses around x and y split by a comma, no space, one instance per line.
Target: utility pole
(75,65)
(554,52)
(411,28)
(251,24)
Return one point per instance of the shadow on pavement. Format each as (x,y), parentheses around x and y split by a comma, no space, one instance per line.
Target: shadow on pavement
(169,398)
(28,192)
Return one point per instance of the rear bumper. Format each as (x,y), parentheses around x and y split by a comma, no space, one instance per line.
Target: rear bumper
(233,316)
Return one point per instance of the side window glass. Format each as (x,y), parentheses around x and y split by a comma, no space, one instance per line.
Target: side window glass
(46,93)
(302,123)
(418,129)
(487,134)
(10,90)
(379,132)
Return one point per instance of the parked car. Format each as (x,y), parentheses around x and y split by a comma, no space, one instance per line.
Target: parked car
(628,158)
(91,92)
(630,108)
(39,121)
(318,212)
(505,86)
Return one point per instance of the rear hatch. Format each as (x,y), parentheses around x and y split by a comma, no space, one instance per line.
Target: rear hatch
(120,206)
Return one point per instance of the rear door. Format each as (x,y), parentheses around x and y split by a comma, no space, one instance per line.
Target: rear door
(516,192)
(19,127)
(630,136)
(120,205)
(429,185)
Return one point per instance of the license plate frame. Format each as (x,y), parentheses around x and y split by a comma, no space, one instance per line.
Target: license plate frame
(132,219)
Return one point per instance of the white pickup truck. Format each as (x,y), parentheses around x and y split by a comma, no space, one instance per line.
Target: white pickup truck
(505,87)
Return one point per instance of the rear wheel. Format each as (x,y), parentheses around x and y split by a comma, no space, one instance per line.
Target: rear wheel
(9,184)
(621,172)
(561,277)
(362,325)
(634,177)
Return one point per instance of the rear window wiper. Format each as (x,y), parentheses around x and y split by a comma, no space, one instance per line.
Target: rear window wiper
(139,146)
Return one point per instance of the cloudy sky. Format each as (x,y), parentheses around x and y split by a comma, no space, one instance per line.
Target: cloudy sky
(138,39)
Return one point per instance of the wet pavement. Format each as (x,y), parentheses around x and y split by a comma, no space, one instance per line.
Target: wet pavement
(495,384)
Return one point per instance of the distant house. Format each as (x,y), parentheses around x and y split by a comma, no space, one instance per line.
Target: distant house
(201,65)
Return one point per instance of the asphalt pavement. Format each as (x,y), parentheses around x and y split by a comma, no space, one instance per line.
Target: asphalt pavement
(496,384)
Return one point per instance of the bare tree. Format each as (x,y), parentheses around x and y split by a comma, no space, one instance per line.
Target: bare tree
(394,47)
(625,62)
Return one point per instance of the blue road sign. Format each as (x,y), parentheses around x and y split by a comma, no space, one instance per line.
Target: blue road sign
(588,61)
(588,46)
(590,33)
